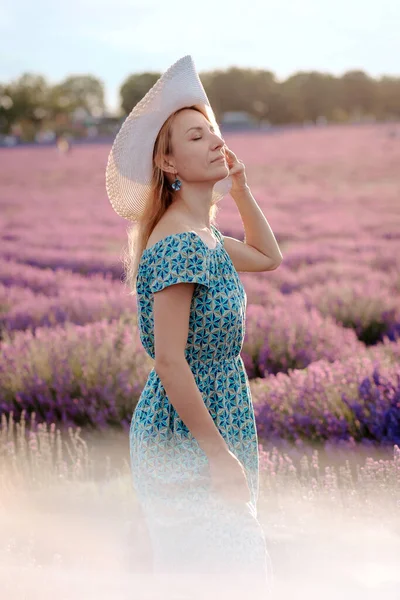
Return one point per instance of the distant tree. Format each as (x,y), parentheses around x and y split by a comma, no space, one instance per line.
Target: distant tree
(78,91)
(24,98)
(358,93)
(388,101)
(135,88)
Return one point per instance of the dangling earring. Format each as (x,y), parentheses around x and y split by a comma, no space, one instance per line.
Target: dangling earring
(176,185)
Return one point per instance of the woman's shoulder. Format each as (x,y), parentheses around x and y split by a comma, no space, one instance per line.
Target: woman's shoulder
(164,241)
(177,257)
(169,244)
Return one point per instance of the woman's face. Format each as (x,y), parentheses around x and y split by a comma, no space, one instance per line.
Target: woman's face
(195,147)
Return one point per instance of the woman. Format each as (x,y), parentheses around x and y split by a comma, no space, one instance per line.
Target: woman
(193,440)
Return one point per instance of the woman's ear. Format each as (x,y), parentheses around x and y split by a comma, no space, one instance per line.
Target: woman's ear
(167,165)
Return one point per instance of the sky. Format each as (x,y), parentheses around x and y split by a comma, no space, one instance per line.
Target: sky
(114,39)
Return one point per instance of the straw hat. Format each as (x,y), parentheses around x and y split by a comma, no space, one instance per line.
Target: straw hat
(130,162)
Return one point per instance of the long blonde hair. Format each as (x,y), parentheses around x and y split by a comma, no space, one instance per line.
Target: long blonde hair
(160,199)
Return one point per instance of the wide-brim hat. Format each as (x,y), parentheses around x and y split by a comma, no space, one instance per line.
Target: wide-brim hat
(130,162)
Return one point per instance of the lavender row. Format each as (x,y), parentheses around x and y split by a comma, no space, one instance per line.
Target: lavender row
(302,325)
(94,374)
(357,399)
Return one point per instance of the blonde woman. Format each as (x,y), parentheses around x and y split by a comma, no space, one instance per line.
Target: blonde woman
(193,439)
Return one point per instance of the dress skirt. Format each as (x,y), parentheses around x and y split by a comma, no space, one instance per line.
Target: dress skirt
(199,537)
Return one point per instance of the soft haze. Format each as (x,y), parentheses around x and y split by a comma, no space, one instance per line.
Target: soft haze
(113,40)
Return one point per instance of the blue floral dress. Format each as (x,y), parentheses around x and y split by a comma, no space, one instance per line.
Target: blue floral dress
(190,527)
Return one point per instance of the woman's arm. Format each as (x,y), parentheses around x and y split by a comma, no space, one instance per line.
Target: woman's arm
(171,327)
(183,393)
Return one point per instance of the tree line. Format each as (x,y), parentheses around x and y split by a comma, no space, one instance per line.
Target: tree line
(303,96)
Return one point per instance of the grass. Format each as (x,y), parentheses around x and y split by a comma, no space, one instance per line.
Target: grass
(69,516)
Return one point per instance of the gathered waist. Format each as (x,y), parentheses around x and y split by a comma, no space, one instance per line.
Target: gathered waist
(202,362)
(211,359)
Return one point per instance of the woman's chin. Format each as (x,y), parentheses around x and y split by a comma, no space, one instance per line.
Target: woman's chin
(222,166)
(221,173)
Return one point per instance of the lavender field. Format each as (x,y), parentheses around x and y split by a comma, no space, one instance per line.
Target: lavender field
(322,342)
(322,352)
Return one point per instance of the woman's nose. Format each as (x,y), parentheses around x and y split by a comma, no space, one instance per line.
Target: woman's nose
(219,142)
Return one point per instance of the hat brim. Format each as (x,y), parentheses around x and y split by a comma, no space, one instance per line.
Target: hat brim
(130,161)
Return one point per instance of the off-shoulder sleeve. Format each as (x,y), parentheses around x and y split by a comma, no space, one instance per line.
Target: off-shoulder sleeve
(218,234)
(180,258)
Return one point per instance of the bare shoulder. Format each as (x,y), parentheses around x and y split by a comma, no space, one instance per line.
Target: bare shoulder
(168,225)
